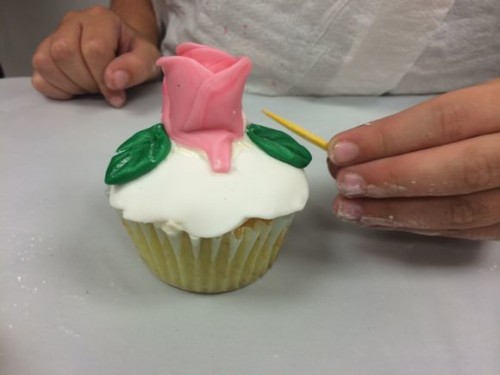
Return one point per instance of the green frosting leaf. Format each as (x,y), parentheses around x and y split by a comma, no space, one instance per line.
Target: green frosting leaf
(138,155)
(279,145)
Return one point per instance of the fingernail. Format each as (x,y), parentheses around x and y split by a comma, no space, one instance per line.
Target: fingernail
(343,152)
(351,184)
(349,210)
(119,80)
(117,100)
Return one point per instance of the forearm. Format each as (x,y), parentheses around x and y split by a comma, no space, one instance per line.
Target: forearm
(138,14)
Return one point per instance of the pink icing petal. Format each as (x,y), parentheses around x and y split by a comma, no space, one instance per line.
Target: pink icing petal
(184,48)
(180,85)
(213,59)
(202,92)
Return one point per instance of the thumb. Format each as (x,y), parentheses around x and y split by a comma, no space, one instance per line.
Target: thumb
(133,67)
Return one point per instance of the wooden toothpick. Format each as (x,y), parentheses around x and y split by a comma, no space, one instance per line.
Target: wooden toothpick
(299,130)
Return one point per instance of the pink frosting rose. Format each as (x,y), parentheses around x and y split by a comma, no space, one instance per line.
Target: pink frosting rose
(202,93)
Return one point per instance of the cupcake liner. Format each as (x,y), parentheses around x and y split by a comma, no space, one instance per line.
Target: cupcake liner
(210,265)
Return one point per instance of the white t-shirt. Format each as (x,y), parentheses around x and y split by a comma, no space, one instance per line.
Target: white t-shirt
(335,47)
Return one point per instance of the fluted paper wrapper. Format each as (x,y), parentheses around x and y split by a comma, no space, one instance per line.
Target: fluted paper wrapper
(210,265)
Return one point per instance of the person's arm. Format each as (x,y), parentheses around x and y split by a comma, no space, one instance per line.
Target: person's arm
(431,169)
(99,50)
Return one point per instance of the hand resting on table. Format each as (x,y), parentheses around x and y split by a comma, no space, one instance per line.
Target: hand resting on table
(94,51)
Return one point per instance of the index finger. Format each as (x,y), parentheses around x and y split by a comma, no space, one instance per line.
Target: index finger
(447,118)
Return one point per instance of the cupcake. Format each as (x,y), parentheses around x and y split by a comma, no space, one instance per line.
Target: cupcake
(207,198)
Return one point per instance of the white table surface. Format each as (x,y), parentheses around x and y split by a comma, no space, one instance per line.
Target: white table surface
(76,299)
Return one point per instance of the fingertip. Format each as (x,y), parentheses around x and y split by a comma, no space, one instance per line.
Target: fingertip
(45,88)
(132,68)
(332,168)
(329,150)
(117,79)
(342,152)
(348,210)
(117,99)
(335,205)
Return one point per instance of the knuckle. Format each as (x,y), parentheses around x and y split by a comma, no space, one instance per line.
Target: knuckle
(477,172)
(62,50)
(385,143)
(95,48)
(451,118)
(40,61)
(463,212)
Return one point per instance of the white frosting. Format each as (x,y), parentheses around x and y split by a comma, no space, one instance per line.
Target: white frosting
(182,193)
